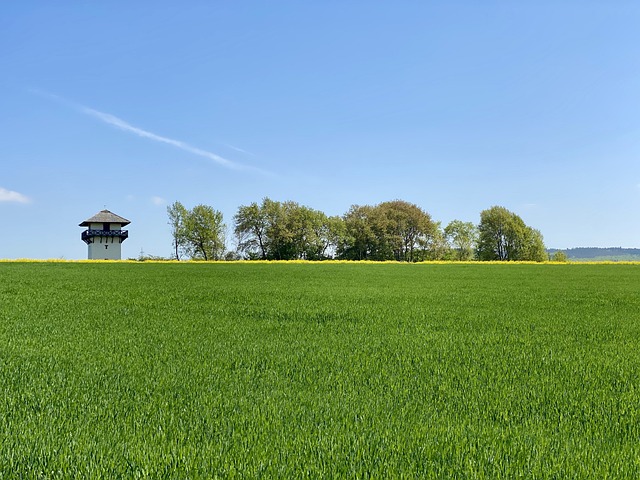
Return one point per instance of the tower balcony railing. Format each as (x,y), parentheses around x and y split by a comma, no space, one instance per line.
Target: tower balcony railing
(88,235)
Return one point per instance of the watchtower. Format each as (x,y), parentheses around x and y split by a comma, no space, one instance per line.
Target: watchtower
(104,235)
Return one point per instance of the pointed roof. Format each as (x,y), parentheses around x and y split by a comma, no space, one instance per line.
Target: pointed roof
(105,216)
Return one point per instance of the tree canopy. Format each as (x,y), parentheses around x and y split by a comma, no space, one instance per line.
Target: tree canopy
(394,230)
(462,238)
(285,231)
(198,233)
(504,236)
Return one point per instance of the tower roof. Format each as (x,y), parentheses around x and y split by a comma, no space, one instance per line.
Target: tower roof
(105,216)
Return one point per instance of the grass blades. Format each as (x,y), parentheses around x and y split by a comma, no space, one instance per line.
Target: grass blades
(313,370)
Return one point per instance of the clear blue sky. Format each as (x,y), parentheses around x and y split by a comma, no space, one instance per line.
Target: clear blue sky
(454,106)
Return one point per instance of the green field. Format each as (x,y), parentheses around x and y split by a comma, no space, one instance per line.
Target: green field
(319,370)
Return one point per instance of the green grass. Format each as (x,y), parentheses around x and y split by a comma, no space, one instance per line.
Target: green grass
(319,370)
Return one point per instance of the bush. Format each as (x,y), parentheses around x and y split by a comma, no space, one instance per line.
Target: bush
(560,256)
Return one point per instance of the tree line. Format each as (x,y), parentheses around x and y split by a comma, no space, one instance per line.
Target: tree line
(393,230)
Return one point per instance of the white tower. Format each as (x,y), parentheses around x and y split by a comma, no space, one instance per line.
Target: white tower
(104,235)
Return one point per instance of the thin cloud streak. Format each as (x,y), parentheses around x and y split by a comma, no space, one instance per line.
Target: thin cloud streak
(127,127)
(238,149)
(11,196)
(121,124)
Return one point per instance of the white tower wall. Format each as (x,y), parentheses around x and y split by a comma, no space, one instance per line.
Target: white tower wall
(104,248)
(103,245)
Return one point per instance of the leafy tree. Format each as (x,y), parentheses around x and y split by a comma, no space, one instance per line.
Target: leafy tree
(285,231)
(205,233)
(395,230)
(251,225)
(406,229)
(329,234)
(534,248)
(504,236)
(462,237)
(560,256)
(177,217)
(309,231)
(437,247)
(495,234)
(197,233)
(357,240)
(282,245)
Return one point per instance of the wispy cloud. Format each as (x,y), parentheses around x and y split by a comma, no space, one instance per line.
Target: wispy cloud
(158,201)
(11,196)
(121,124)
(127,127)
(238,149)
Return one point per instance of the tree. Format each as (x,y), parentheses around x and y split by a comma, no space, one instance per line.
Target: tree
(534,249)
(328,234)
(285,231)
(406,229)
(177,215)
(395,230)
(281,245)
(308,231)
(462,237)
(504,236)
(197,233)
(359,241)
(251,225)
(560,256)
(205,233)
(495,231)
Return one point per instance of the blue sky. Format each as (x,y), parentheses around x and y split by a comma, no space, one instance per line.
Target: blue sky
(454,106)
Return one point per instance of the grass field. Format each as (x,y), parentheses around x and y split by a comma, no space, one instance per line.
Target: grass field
(319,370)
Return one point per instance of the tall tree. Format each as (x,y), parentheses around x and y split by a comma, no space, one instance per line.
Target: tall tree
(503,235)
(251,224)
(327,234)
(359,241)
(279,232)
(395,230)
(535,249)
(496,234)
(284,231)
(406,229)
(462,237)
(198,233)
(435,247)
(177,217)
(205,233)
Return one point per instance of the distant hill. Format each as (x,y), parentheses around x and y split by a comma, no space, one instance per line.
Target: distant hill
(598,254)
